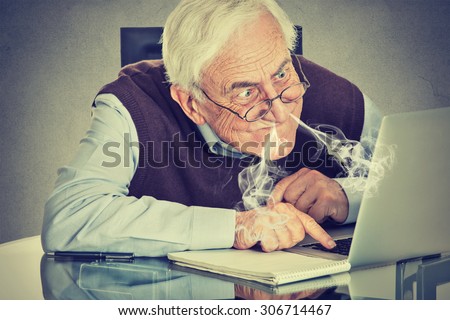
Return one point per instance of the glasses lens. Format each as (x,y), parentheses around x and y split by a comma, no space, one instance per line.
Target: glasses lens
(258,111)
(293,93)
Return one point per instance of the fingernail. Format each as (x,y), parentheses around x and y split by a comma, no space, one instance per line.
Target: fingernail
(331,244)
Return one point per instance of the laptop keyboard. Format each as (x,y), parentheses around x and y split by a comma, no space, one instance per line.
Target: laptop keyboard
(342,246)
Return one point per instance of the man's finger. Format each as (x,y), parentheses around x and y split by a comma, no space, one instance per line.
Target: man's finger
(295,190)
(315,230)
(318,212)
(284,237)
(269,240)
(306,200)
(280,188)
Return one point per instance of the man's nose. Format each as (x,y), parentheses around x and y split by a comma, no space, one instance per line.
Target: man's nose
(279,111)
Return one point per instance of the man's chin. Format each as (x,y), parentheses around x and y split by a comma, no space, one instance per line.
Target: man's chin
(281,152)
(278,151)
(282,147)
(274,153)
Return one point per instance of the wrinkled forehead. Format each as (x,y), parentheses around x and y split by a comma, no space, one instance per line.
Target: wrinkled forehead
(253,53)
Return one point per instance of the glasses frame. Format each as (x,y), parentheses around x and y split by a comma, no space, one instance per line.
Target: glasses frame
(269,101)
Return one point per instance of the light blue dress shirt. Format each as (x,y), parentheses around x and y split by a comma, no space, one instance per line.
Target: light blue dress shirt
(90,209)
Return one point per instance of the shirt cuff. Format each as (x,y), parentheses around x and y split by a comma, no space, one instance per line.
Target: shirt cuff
(354,197)
(213,228)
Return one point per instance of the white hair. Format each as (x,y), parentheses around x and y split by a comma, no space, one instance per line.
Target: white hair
(197,30)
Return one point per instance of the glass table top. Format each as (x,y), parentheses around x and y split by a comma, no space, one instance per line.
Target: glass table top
(158,279)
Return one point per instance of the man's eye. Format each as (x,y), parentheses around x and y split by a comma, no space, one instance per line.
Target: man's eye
(281,74)
(245,94)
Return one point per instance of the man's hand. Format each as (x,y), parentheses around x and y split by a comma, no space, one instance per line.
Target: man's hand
(312,192)
(277,227)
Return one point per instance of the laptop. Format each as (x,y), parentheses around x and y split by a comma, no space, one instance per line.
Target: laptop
(410,214)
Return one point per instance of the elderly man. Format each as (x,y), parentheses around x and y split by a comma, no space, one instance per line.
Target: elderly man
(187,126)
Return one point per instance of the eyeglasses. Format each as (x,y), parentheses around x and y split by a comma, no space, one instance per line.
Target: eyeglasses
(288,95)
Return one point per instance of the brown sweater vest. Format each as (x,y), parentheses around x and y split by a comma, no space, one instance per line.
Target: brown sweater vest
(174,161)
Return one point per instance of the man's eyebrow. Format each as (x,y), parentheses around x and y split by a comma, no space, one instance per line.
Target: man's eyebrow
(282,65)
(240,84)
(245,84)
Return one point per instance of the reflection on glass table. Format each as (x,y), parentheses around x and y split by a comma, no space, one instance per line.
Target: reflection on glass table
(422,278)
(158,279)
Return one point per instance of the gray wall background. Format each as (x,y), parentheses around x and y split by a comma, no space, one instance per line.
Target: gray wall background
(56,54)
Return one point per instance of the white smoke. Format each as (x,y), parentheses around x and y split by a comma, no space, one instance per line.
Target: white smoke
(257,181)
(355,157)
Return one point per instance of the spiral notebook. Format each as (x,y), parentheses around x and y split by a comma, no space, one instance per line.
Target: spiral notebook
(326,282)
(275,268)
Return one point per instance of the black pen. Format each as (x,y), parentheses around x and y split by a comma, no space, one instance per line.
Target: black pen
(94,256)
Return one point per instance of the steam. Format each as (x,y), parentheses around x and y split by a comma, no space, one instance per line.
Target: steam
(257,181)
(355,157)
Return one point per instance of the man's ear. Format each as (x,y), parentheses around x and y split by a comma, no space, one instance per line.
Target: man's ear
(188,104)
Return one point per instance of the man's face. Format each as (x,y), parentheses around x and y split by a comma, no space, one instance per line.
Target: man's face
(255,63)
